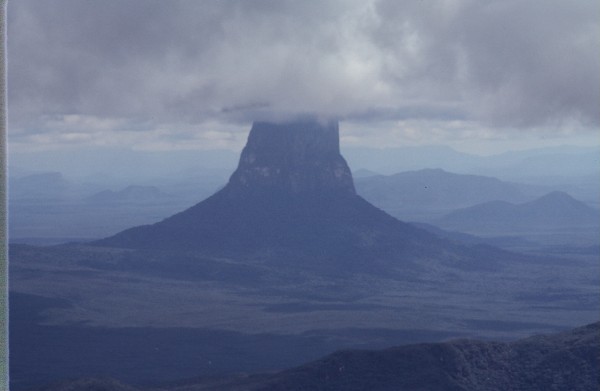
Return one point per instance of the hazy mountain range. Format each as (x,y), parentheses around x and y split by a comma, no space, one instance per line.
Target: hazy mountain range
(522,166)
(552,211)
(424,194)
(573,168)
(85,210)
(130,194)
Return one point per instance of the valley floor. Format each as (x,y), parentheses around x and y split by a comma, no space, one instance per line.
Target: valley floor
(80,311)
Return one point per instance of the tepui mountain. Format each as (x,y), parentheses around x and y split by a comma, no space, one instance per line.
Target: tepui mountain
(291,196)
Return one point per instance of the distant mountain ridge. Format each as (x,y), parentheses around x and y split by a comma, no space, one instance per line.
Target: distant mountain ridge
(565,161)
(554,210)
(424,194)
(131,194)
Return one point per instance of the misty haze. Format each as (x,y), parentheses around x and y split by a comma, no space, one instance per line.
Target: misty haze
(303,196)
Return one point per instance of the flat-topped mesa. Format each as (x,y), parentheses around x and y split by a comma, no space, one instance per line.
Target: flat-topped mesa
(291,198)
(299,158)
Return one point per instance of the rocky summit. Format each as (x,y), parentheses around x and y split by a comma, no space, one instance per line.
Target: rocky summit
(298,159)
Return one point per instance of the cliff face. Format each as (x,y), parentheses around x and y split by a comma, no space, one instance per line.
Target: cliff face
(299,159)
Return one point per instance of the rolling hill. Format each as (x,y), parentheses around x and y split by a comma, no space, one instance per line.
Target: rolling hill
(556,210)
(563,361)
(425,194)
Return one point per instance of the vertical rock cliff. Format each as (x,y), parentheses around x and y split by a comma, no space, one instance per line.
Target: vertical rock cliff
(300,159)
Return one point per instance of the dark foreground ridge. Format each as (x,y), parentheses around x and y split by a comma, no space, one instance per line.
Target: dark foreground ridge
(292,193)
(564,361)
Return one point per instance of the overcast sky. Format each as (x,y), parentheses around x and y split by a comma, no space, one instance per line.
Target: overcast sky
(157,74)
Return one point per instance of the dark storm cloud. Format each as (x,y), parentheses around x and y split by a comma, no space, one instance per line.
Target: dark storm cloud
(520,63)
(503,63)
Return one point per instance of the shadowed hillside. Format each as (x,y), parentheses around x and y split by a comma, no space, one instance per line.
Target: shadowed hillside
(564,361)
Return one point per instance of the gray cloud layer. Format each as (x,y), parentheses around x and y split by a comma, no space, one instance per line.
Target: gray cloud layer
(505,63)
